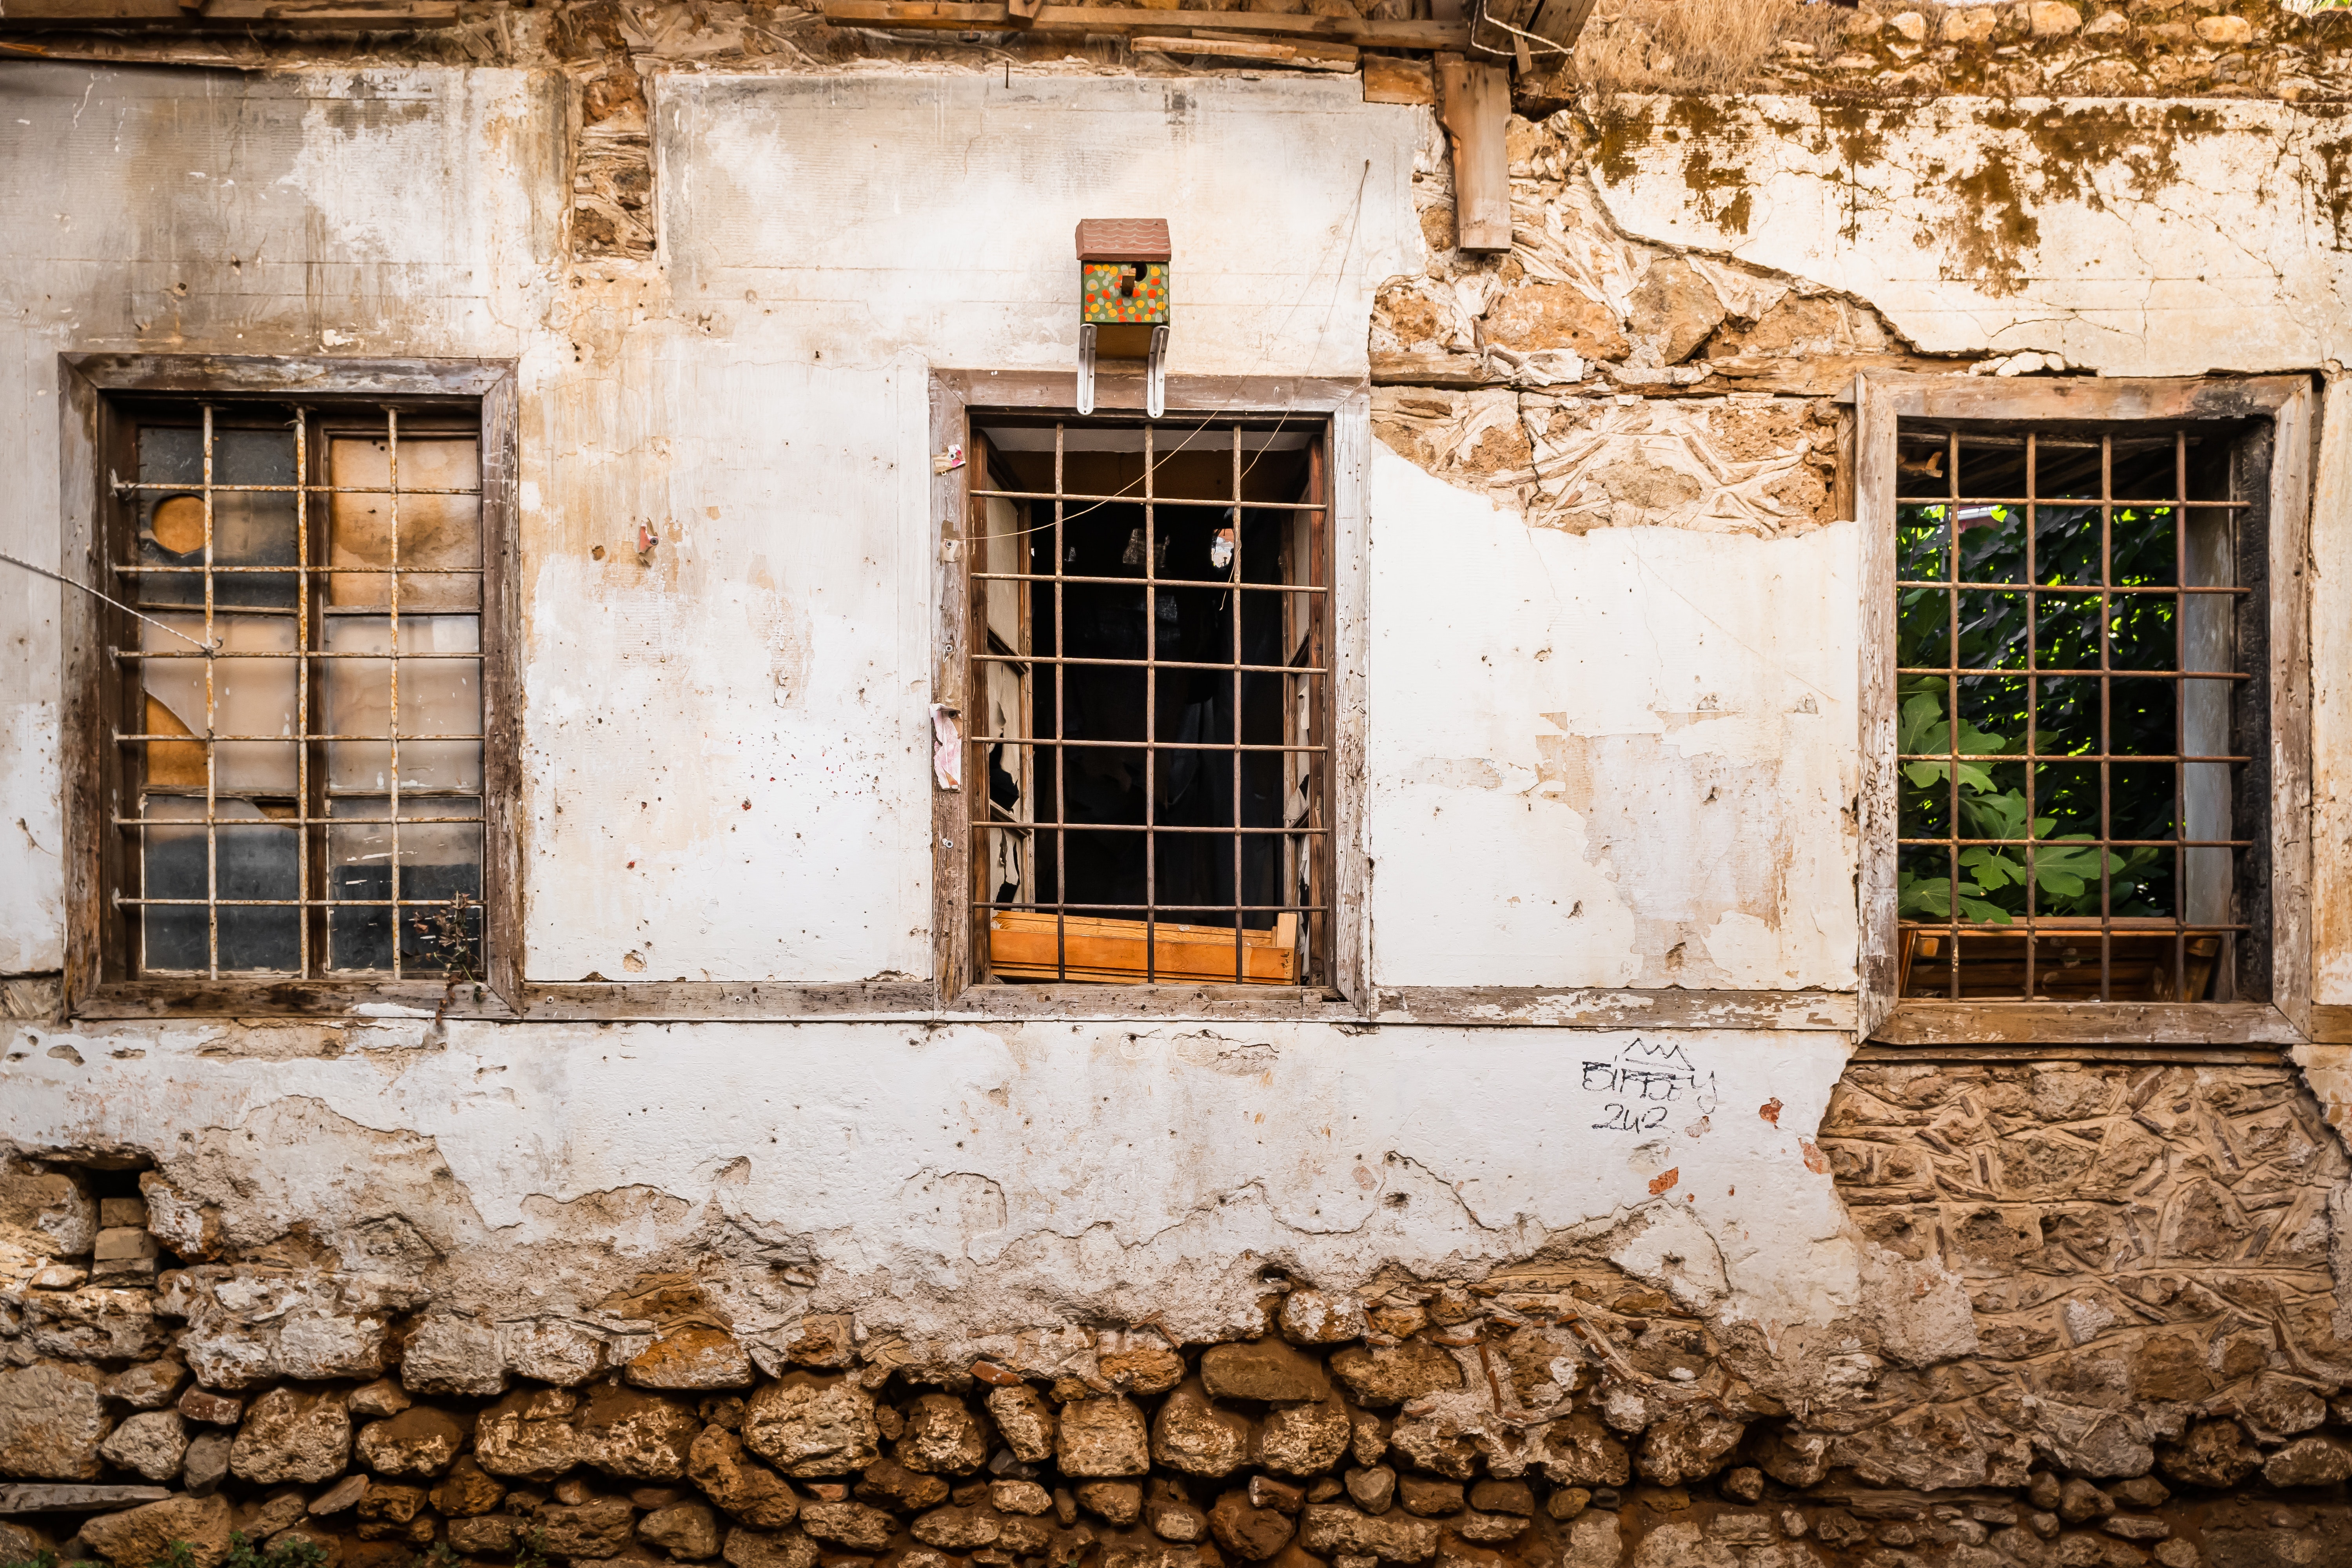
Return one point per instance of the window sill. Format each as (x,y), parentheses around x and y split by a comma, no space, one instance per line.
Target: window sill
(384,1000)
(2089,1024)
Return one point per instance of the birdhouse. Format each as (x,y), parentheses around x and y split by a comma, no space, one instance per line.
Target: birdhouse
(1123,302)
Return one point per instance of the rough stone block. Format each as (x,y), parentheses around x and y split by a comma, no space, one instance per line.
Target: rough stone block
(692,1356)
(48,1213)
(292,1437)
(1322,1317)
(449,1355)
(1390,1375)
(641,1435)
(1268,1371)
(1024,1420)
(113,1213)
(52,1422)
(143,1535)
(123,1242)
(600,1527)
(151,1443)
(419,1441)
(1102,1437)
(745,1488)
(1333,1529)
(810,1426)
(1194,1435)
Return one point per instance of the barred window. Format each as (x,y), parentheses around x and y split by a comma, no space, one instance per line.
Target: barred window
(298,718)
(1147,739)
(2081,710)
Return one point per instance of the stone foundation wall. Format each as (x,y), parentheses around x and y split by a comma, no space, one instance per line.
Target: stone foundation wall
(2124,1348)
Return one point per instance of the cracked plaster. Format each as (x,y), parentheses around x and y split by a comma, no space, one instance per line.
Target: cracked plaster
(959,1182)
(2133,238)
(956,1181)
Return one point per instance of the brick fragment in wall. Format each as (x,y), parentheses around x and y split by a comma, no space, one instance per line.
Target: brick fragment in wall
(1744,464)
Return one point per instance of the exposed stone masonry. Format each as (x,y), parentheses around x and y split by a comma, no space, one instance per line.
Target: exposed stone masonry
(2118,1343)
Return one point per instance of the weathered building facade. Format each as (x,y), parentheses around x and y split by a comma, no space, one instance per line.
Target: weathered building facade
(1672,1119)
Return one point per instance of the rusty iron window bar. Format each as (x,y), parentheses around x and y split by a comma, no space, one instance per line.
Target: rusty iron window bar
(1056,894)
(347,614)
(2074,711)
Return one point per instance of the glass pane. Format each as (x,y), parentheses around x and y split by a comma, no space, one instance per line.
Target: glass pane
(250,858)
(439,919)
(171,525)
(438,697)
(172,865)
(253,528)
(441,532)
(249,696)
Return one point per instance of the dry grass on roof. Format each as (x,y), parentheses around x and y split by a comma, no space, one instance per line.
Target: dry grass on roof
(1700,46)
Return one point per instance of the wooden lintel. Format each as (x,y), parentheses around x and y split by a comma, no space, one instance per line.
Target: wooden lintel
(1312,54)
(950,16)
(339,16)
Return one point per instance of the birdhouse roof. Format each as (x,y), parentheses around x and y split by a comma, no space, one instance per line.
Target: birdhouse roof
(1123,239)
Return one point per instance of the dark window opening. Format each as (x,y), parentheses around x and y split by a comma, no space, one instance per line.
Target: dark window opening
(1149,615)
(2083,712)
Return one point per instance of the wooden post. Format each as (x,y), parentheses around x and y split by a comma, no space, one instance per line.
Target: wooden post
(1474,103)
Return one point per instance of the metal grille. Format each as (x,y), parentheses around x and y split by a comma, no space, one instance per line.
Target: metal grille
(301,717)
(2073,716)
(1149,732)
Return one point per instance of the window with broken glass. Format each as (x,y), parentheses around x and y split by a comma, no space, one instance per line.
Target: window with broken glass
(298,717)
(2082,711)
(1147,739)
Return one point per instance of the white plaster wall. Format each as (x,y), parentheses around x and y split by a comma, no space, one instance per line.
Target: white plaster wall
(2138,236)
(725,774)
(937,213)
(1624,757)
(959,1181)
(742,715)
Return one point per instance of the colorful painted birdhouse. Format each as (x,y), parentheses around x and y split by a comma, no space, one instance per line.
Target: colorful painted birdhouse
(1123,302)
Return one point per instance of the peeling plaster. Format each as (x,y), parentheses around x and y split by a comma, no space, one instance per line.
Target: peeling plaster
(2135,238)
(961,1182)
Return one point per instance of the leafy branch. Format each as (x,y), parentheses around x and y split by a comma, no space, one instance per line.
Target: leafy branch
(1992,879)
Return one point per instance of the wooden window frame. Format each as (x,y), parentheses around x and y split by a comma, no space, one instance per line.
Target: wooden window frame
(1344,411)
(93,451)
(2288,403)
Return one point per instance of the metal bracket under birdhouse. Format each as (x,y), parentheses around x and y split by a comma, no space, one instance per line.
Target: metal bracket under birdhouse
(1155,372)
